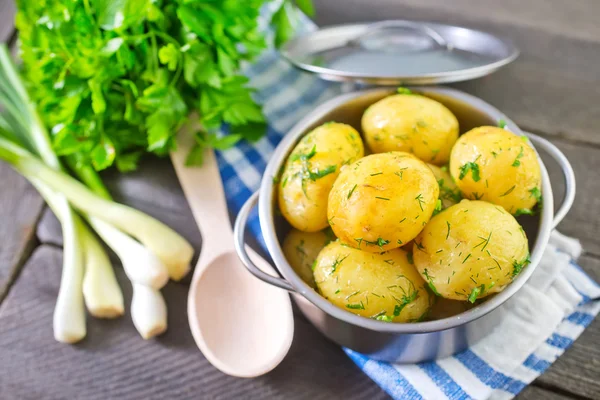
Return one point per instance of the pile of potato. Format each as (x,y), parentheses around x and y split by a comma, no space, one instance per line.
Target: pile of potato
(398,235)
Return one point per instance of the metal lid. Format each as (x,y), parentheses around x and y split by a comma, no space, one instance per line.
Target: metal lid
(399,52)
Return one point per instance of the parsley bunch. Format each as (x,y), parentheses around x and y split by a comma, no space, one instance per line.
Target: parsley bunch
(113,79)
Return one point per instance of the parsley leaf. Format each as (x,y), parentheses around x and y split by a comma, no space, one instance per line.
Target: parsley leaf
(470,166)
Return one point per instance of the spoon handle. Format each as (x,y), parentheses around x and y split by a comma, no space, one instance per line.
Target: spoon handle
(204,192)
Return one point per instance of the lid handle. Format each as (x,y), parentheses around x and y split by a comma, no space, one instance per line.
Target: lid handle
(378,27)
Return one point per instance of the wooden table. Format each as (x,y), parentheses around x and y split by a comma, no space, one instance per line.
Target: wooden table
(553,89)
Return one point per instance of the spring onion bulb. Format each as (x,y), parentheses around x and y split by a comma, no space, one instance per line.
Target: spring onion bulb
(69,312)
(148,311)
(140,265)
(101,291)
(170,247)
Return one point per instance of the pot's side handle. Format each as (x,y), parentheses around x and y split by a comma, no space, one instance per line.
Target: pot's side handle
(568,173)
(238,237)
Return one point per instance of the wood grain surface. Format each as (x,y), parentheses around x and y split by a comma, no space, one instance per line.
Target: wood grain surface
(552,89)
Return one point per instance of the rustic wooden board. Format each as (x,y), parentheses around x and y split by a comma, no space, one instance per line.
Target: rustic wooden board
(20,208)
(114,362)
(552,87)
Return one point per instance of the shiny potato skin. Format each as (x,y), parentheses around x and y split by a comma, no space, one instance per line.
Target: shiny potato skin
(310,171)
(449,192)
(382,201)
(470,250)
(492,164)
(411,123)
(384,286)
(301,250)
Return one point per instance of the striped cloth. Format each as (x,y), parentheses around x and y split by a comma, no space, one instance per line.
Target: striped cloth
(549,313)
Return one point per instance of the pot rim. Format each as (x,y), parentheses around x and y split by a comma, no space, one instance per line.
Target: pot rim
(266,217)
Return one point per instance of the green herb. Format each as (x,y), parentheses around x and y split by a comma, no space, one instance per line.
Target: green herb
(377,173)
(518,266)
(509,191)
(466,258)
(382,198)
(402,220)
(477,195)
(314,265)
(475,293)
(494,154)
(409,258)
(359,241)
(390,261)
(419,246)
(470,166)
(115,79)
(399,242)
(285,180)
(304,157)
(385,318)
(337,262)
(379,242)
(352,294)
(524,211)
(438,208)
(322,172)
(352,191)
(337,291)
(429,279)
(419,198)
(516,163)
(484,242)
(358,306)
(403,90)
(447,193)
(536,193)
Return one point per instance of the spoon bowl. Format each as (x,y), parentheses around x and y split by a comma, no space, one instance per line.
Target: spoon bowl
(243,326)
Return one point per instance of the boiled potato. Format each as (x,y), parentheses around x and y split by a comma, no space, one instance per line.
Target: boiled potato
(492,164)
(301,250)
(384,286)
(449,192)
(470,250)
(310,171)
(382,201)
(412,123)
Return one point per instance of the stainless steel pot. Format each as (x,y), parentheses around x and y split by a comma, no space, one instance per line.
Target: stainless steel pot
(396,342)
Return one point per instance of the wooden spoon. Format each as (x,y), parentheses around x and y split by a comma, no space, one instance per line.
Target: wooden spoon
(242,325)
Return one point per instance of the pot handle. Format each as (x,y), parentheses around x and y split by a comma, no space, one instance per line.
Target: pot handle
(238,239)
(568,173)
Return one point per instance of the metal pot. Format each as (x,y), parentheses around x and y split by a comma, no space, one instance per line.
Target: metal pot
(397,342)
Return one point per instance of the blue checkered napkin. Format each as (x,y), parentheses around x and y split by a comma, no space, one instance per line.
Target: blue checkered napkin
(549,313)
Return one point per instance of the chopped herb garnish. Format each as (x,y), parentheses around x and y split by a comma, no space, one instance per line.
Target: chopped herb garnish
(518,266)
(375,294)
(403,90)
(509,191)
(377,173)
(352,294)
(484,242)
(438,208)
(314,265)
(390,261)
(337,291)
(477,195)
(359,240)
(399,242)
(524,211)
(501,123)
(409,258)
(313,176)
(494,154)
(475,293)
(470,166)
(466,258)
(359,306)
(440,250)
(402,220)
(285,180)
(419,198)
(448,233)
(516,163)
(429,279)
(382,198)
(384,318)
(419,246)
(306,156)
(352,191)
(337,262)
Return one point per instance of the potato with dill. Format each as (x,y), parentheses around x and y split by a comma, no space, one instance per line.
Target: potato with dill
(492,164)
(449,192)
(301,250)
(310,171)
(470,250)
(383,286)
(412,123)
(382,201)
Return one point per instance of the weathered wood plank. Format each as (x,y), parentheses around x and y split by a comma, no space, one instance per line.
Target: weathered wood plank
(536,393)
(7,12)
(550,88)
(20,207)
(579,368)
(114,362)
